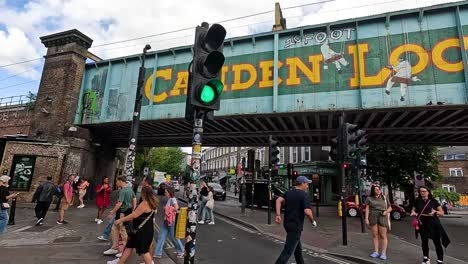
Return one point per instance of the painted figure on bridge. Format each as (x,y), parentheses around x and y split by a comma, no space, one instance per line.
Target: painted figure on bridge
(330,56)
(401,74)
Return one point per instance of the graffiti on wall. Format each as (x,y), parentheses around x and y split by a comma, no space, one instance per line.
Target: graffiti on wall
(92,98)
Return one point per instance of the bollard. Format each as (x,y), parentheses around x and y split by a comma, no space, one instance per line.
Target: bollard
(11,219)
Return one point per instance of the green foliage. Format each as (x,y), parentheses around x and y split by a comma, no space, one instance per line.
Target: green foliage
(166,159)
(395,164)
(31,100)
(444,194)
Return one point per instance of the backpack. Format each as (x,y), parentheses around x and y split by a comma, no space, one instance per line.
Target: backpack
(59,191)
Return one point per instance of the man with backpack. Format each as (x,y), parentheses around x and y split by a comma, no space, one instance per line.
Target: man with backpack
(67,199)
(43,197)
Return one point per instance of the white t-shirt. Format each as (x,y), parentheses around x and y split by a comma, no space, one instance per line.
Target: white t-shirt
(171,201)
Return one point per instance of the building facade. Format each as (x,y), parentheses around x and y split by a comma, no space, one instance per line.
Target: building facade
(453,166)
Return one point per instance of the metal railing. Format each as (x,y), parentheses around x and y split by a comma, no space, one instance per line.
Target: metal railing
(17,100)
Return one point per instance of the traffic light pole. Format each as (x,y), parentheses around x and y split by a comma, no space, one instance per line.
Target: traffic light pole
(358,174)
(131,151)
(342,156)
(193,196)
(269,195)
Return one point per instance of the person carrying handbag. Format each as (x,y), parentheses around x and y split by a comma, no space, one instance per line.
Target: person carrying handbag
(427,224)
(208,208)
(377,218)
(168,226)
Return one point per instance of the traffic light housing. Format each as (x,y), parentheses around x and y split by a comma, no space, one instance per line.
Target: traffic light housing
(205,86)
(333,154)
(355,140)
(274,151)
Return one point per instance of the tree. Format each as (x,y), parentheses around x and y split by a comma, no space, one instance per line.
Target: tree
(166,159)
(395,165)
(452,197)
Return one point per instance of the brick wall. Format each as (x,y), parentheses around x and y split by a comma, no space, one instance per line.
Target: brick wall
(15,121)
(49,160)
(461,183)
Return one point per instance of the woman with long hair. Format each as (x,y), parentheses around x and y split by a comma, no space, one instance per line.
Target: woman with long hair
(168,226)
(142,219)
(208,210)
(426,209)
(84,184)
(377,218)
(103,191)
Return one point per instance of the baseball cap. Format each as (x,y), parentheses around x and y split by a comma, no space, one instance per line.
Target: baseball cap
(303,179)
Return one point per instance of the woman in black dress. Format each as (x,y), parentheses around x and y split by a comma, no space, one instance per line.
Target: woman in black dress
(142,216)
(427,209)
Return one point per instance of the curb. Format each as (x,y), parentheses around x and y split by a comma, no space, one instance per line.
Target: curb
(358,260)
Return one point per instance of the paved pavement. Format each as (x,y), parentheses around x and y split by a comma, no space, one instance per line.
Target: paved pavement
(71,243)
(327,238)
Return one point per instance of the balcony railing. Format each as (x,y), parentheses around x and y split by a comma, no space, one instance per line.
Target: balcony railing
(17,100)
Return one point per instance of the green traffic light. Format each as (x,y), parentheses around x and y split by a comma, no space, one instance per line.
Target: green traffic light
(207,95)
(211,91)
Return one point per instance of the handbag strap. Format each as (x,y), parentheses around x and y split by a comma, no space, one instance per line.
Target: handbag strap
(146,220)
(423,209)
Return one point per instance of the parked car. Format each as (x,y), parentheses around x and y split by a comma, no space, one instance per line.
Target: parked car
(176,185)
(353,210)
(218,191)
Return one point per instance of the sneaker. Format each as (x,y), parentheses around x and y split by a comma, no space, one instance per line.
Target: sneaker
(99,222)
(383,257)
(80,206)
(180,255)
(426,260)
(374,255)
(118,255)
(157,256)
(211,223)
(102,238)
(110,251)
(60,222)
(387,92)
(201,222)
(115,261)
(64,222)
(39,221)
(96,219)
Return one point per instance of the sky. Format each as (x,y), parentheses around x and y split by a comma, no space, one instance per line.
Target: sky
(22,22)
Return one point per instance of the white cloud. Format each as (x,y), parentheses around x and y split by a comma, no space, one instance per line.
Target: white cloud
(110,21)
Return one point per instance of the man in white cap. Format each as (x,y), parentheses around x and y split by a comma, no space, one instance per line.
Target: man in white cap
(4,206)
(296,207)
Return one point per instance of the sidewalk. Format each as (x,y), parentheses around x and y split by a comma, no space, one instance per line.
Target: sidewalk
(75,242)
(327,237)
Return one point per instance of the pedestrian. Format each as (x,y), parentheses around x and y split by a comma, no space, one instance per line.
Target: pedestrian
(208,210)
(43,197)
(203,200)
(377,218)
(124,206)
(67,199)
(5,196)
(83,185)
(296,207)
(103,192)
(427,209)
(168,226)
(142,221)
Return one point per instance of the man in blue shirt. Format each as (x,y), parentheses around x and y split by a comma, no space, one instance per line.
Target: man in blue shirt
(296,207)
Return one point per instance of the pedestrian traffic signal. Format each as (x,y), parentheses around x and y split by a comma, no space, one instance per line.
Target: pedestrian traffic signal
(274,151)
(205,84)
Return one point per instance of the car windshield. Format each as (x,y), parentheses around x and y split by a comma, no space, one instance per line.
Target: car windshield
(215,186)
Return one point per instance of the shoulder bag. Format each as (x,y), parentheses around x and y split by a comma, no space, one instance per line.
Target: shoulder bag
(388,215)
(415,223)
(130,228)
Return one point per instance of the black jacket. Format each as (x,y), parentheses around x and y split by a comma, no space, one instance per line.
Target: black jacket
(45,192)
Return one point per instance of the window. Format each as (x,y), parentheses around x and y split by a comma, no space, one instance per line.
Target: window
(22,172)
(294,154)
(460,156)
(456,172)
(450,157)
(449,187)
(455,157)
(306,153)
